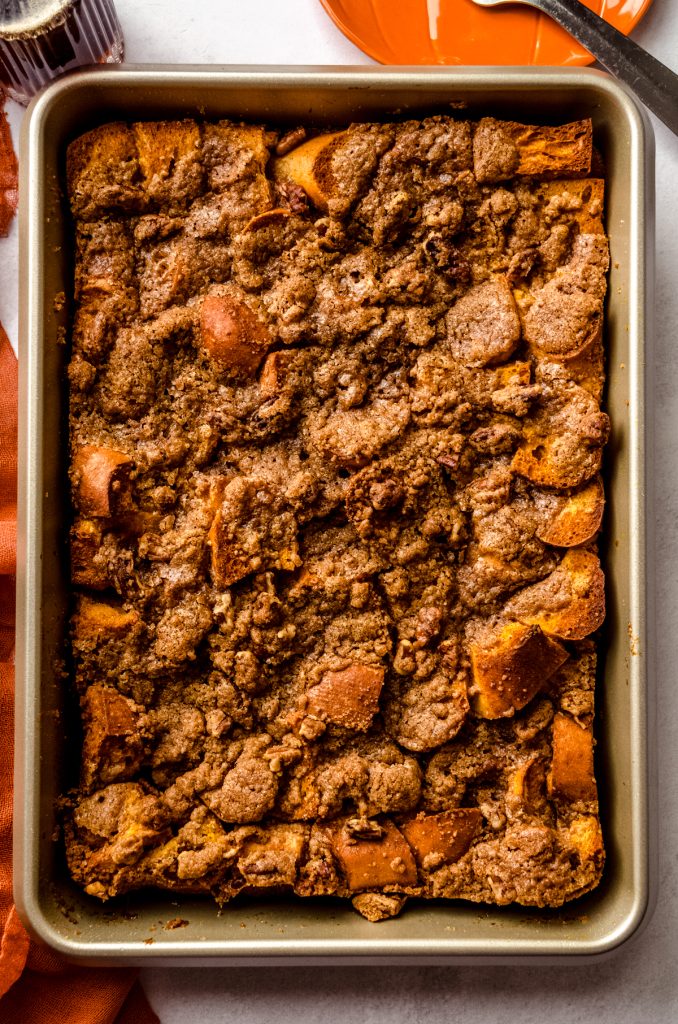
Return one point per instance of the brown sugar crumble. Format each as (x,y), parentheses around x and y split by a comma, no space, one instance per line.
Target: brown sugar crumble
(336,436)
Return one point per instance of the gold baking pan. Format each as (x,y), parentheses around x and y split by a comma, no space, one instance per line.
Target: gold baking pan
(133,929)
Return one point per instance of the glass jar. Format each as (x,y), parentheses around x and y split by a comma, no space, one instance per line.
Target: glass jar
(40,39)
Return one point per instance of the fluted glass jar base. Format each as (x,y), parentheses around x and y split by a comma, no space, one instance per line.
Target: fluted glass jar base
(37,47)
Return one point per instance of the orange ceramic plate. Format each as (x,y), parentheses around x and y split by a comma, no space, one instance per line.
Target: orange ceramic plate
(460,32)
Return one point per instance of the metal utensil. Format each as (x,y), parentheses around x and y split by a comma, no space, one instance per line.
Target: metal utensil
(654,83)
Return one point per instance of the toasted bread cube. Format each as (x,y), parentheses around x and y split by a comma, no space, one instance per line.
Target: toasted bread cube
(112,748)
(514,667)
(86,571)
(272,858)
(585,835)
(307,166)
(571,775)
(506,149)
(543,459)
(565,315)
(374,863)
(96,621)
(170,159)
(232,335)
(570,603)
(586,368)
(252,530)
(229,564)
(442,838)
(570,520)
(101,477)
(235,153)
(563,441)
(136,523)
(202,847)
(582,201)
(103,171)
(349,697)
(483,327)
(119,813)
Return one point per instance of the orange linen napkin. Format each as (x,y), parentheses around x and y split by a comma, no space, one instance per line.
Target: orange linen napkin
(36,985)
(8,172)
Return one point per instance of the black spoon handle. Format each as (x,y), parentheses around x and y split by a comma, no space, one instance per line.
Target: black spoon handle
(654,83)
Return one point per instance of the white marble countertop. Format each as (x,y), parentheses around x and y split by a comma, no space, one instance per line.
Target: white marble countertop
(641,980)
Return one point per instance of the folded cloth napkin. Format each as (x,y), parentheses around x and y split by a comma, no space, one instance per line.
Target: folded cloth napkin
(36,985)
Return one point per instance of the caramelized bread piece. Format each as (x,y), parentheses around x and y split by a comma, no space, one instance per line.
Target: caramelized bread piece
(235,158)
(378,906)
(566,521)
(100,480)
(96,620)
(86,569)
(273,856)
(585,835)
(506,149)
(233,336)
(307,166)
(113,826)
(252,529)
(483,326)
(442,838)
(170,160)
(103,172)
(563,439)
(580,200)
(586,368)
(272,376)
(512,668)
(566,314)
(349,697)
(570,603)
(571,775)
(105,291)
(374,863)
(337,168)
(112,745)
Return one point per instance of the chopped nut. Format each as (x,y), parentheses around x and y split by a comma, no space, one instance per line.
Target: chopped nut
(290,140)
(312,728)
(363,828)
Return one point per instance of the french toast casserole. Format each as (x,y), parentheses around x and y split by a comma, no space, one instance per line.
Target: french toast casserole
(335,442)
